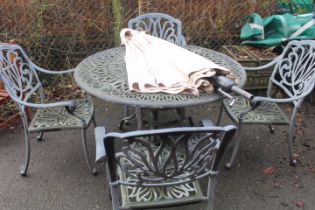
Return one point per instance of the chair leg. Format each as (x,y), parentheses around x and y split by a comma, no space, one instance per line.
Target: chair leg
(125,121)
(108,182)
(115,197)
(236,147)
(183,117)
(154,115)
(93,121)
(271,129)
(40,136)
(139,118)
(220,114)
(290,137)
(24,167)
(126,111)
(211,193)
(86,152)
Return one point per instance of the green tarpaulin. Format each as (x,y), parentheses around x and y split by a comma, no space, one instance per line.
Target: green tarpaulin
(277,29)
(294,6)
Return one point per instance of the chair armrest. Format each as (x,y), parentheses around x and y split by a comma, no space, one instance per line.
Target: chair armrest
(206,123)
(254,101)
(258,99)
(270,64)
(52,72)
(42,105)
(99,143)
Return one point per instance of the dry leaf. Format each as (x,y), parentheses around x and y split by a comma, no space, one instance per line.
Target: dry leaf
(299,204)
(296,156)
(269,170)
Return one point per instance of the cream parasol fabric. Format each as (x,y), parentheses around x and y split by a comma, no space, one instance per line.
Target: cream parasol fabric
(156,65)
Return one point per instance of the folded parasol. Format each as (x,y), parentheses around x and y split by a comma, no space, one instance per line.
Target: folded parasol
(156,65)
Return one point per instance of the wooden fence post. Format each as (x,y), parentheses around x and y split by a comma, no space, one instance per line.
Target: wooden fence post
(116,6)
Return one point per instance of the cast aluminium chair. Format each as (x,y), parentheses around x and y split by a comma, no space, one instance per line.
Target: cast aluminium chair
(20,78)
(293,75)
(162,167)
(165,27)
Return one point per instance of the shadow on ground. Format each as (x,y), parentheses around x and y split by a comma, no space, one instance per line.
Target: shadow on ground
(58,176)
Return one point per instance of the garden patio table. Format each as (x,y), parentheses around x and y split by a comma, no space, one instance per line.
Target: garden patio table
(104,76)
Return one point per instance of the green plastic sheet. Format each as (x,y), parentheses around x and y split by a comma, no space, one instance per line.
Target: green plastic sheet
(294,6)
(277,29)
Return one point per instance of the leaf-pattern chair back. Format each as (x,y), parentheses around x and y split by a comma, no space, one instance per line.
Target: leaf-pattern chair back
(159,25)
(164,163)
(18,74)
(294,71)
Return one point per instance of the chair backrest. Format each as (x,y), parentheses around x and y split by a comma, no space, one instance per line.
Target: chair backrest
(18,74)
(166,157)
(294,73)
(159,25)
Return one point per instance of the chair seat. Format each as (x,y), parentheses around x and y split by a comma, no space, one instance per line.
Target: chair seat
(57,118)
(265,113)
(144,197)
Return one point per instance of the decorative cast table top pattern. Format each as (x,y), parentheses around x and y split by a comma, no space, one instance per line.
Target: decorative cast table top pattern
(104,76)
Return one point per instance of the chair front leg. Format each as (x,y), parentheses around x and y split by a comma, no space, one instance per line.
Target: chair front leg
(220,114)
(211,193)
(139,118)
(115,197)
(126,111)
(154,119)
(125,121)
(94,121)
(40,136)
(271,129)
(183,118)
(236,146)
(86,152)
(290,137)
(24,167)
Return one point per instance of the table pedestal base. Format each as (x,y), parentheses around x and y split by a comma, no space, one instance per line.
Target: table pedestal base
(153,122)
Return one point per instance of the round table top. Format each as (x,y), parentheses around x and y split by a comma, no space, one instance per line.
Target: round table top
(104,76)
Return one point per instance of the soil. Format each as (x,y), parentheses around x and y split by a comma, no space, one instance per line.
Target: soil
(61,88)
(239,53)
(7,109)
(262,53)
